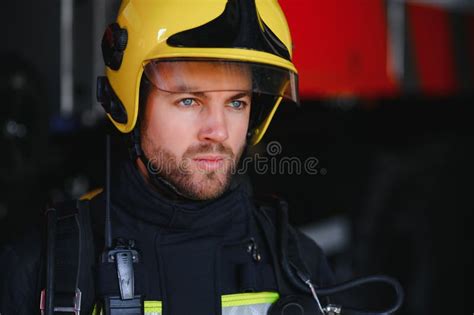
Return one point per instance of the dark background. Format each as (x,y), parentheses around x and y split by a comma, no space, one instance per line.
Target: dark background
(395,174)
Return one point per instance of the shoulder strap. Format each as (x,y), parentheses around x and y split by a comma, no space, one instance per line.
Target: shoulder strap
(70,256)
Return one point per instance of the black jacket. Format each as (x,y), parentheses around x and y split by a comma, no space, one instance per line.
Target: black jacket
(192,253)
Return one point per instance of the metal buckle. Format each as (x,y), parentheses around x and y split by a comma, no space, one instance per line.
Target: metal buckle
(76,302)
(332,309)
(42,301)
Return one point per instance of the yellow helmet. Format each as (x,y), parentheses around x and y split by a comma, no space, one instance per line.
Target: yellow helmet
(254,32)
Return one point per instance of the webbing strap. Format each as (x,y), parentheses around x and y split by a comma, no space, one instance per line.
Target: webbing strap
(70,256)
(68,249)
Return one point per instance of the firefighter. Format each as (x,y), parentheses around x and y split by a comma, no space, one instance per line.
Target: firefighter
(190,85)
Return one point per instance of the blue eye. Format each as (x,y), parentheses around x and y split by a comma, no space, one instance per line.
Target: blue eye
(187,102)
(237,104)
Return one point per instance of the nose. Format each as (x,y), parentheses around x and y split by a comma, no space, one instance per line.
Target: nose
(214,125)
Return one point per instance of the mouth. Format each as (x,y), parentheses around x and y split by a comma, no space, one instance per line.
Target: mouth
(209,162)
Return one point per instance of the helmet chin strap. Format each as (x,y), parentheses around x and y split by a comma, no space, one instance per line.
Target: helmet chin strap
(165,187)
(161,184)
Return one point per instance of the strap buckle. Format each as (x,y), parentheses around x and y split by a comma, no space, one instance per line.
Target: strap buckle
(332,309)
(75,308)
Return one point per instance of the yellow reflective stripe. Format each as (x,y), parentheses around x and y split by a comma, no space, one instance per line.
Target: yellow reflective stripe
(240,299)
(153,307)
(96,310)
(230,300)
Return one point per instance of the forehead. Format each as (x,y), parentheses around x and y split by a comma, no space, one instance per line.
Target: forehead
(192,76)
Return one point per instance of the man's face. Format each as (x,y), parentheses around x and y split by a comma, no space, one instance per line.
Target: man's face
(195,125)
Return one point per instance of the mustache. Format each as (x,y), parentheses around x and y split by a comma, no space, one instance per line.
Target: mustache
(204,148)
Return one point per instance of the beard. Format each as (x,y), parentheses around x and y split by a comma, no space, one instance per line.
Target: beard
(186,177)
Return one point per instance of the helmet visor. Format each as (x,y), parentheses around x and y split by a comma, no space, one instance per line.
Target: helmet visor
(208,75)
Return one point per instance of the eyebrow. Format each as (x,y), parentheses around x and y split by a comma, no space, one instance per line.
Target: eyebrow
(204,94)
(240,95)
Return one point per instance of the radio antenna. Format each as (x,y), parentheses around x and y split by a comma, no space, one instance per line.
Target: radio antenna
(108,227)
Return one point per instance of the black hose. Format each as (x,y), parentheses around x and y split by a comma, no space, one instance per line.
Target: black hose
(366,280)
(299,275)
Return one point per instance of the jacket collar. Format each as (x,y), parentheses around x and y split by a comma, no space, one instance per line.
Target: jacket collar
(131,193)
